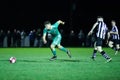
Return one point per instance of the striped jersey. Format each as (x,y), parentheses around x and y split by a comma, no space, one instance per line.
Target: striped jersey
(115,36)
(101,30)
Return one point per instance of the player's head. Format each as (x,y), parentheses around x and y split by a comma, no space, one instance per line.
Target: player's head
(113,22)
(99,18)
(47,24)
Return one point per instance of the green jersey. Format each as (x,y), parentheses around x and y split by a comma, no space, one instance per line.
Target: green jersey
(54,31)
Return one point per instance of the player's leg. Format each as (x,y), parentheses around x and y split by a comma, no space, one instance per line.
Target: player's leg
(64,49)
(52,46)
(94,51)
(55,42)
(104,54)
(110,44)
(117,48)
(99,48)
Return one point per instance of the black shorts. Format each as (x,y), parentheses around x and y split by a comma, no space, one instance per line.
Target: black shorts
(115,41)
(99,42)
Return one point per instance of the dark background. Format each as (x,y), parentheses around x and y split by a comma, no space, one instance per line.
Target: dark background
(78,14)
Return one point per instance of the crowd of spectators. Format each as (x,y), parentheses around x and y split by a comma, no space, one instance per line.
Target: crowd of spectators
(33,38)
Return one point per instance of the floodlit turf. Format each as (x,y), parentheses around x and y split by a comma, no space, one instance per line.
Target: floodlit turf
(34,64)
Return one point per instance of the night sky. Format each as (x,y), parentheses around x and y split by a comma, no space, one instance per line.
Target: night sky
(78,14)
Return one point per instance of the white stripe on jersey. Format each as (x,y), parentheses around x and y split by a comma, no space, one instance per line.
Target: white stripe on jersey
(102,29)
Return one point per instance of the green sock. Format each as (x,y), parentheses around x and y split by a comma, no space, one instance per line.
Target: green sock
(53,51)
(63,49)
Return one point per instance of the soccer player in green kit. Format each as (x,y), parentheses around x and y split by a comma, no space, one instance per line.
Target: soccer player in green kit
(56,37)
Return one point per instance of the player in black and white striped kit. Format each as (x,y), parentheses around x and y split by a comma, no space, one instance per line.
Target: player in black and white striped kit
(114,40)
(100,36)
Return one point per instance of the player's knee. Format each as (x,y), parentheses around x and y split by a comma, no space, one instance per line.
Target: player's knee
(117,46)
(110,45)
(99,49)
(59,46)
(52,46)
(95,48)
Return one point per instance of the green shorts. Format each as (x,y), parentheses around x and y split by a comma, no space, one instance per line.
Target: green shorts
(57,40)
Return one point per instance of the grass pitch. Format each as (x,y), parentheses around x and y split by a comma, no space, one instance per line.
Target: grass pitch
(34,64)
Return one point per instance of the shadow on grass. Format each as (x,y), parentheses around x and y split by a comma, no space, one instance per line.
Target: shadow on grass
(4,60)
(67,60)
(28,61)
(22,60)
(44,60)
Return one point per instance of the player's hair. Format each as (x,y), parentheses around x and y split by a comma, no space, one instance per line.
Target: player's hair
(47,22)
(99,17)
(113,21)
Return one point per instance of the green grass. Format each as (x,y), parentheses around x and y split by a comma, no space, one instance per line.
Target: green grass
(34,64)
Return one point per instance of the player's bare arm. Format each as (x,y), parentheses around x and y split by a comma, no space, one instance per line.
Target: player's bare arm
(44,39)
(61,22)
(111,32)
(91,31)
(108,37)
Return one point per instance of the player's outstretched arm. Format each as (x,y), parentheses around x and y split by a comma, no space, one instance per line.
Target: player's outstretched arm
(111,32)
(91,31)
(61,22)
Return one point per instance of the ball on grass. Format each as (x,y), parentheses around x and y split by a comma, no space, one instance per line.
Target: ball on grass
(12,59)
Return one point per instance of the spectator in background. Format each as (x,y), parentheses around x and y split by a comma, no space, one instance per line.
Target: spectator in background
(14,36)
(18,38)
(88,41)
(63,36)
(62,32)
(9,36)
(81,38)
(71,38)
(2,36)
(32,38)
(38,37)
(23,35)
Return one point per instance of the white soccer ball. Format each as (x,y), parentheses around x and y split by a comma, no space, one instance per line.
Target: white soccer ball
(12,59)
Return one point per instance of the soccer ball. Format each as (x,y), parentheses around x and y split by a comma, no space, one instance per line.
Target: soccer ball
(12,59)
